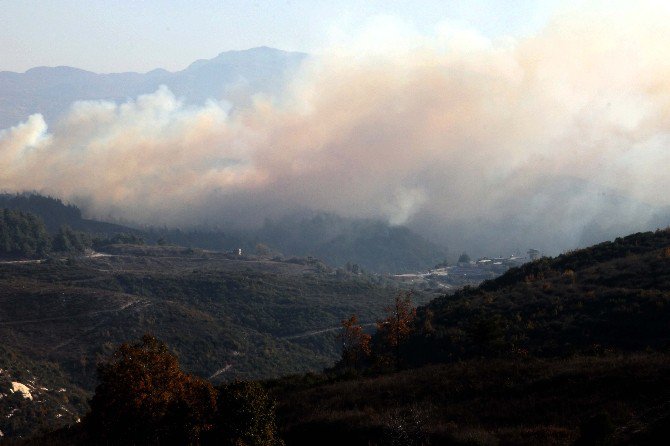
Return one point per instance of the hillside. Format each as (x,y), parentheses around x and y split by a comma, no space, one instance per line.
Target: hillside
(35,395)
(566,350)
(225,316)
(612,296)
(56,214)
(614,400)
(371,244)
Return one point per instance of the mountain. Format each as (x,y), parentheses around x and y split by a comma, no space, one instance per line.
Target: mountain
(232,75)
(225,316)
(371,244)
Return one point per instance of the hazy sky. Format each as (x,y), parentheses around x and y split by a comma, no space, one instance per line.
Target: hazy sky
(124,35)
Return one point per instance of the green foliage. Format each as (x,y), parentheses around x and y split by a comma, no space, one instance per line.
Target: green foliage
(464,258)
(68,240)
(56,402)
(121,238)
(610,297)
(51,210)
(226,318)
(22,235)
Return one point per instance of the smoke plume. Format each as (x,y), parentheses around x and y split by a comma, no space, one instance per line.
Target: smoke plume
(532,140)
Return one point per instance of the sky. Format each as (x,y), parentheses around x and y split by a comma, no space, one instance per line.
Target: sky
(104,36)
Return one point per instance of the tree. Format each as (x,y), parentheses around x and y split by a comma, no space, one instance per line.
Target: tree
(464,258)
(398,325)
(262,249)
(68,240)
(145,398)
(355,343)
(245,416)
(22,234)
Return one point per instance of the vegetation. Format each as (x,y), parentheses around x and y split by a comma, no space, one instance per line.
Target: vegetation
(394,330)
(523,401)
(22,235)
(245,416)
(145,398)
(611,297)
(571,350)
(368,244)
(355,345)
(60,402)
(57,214)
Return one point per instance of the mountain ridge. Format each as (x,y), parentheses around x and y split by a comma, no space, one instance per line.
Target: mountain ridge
(231,75)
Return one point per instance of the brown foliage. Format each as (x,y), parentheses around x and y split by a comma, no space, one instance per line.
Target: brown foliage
(144,397)
(355,343)
(396,327)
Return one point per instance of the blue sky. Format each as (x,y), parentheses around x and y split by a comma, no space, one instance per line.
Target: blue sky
(123,35)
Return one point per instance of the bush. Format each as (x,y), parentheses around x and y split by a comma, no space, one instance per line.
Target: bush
(145,398)
(245,416)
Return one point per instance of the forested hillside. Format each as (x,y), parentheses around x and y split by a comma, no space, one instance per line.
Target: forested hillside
(22,235)
(370,244)
(614,296)
(564,351)
(225,316)
(56,214)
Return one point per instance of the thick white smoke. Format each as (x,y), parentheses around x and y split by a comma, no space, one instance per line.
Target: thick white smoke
(536,136)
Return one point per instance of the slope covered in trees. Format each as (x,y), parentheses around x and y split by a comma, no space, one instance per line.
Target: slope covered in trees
(570,350)
(22,235)
(372,245)
(614,296)
(55,214)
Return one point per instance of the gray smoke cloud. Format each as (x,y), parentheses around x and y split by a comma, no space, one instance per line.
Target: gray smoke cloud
(504,143)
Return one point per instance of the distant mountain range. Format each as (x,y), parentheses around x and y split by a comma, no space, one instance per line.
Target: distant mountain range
(233,76)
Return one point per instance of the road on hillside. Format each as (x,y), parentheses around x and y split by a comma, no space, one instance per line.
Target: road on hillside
(318,332)
(121,307)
